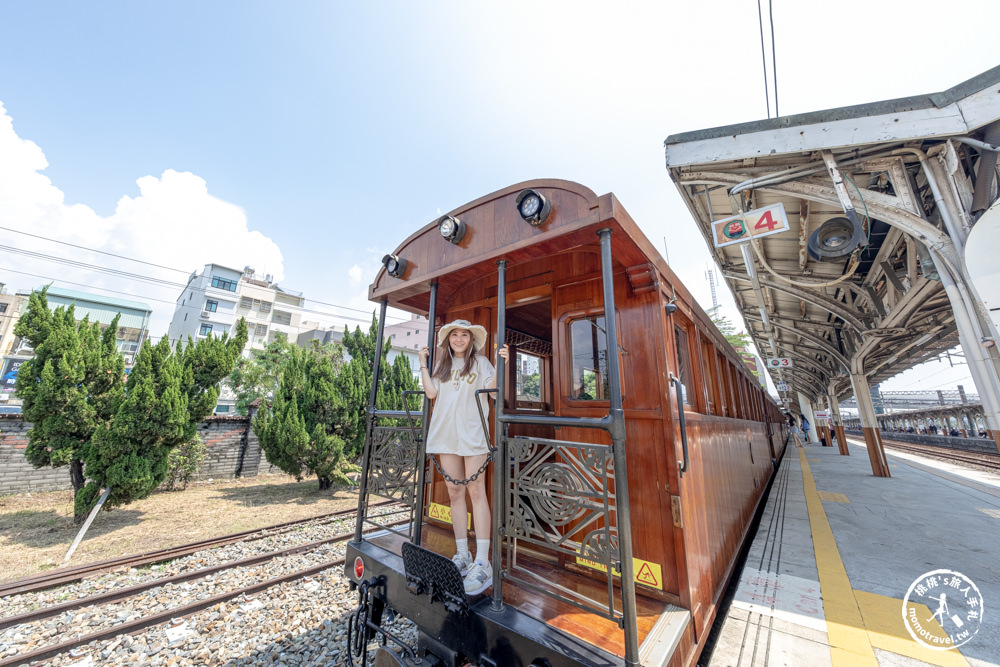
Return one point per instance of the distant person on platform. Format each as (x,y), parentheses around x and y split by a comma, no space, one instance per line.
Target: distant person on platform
(805,427)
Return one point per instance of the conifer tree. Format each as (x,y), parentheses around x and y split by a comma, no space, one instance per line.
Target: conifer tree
(71,387)
(299,430)
(356,382)
(256,377)
(167,394)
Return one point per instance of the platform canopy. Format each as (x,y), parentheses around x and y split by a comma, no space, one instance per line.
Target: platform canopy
(887,192)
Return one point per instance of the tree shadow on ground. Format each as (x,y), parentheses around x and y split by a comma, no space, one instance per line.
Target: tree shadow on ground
(47,528)
(305,492)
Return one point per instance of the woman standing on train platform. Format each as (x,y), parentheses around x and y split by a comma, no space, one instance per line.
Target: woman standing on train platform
(456,436)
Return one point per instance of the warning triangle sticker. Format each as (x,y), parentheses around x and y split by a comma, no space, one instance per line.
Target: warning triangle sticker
(645,576)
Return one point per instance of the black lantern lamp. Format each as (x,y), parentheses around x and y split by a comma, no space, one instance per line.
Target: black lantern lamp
(452,229)
(394,266)
(533,207)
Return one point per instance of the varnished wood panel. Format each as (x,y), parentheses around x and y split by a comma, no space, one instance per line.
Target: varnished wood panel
(730,465)
(730,453)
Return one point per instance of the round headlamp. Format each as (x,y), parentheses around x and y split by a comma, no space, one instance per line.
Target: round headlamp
(452,229)
(533,207)
(394,265)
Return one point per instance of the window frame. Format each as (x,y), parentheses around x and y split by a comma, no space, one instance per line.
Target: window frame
(710,372)
(566,364)
(225,284)
(205,329)
(211,306)
(544,404)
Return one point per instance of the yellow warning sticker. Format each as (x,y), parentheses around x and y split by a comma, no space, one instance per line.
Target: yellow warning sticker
(443,513)
(643,571)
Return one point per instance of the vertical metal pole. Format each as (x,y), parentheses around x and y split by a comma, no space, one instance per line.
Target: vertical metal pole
(369,420)
(421,462)
(501,462)
(617,431)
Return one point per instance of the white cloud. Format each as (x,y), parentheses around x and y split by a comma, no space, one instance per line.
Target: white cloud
(355,274)
(173,222)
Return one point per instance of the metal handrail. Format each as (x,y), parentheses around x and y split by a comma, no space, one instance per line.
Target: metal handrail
(406,407)
(682,466)
(482,417)
(604,423)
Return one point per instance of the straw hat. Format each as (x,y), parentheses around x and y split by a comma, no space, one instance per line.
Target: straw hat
(478,332)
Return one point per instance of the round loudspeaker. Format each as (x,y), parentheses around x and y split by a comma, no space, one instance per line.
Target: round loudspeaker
(835,238)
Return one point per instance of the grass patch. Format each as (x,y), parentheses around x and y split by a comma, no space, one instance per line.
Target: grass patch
(37,529)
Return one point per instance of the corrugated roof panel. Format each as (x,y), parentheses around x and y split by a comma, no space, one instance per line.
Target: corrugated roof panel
(103,309)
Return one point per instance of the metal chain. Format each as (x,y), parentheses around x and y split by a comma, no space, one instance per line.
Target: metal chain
(463,482)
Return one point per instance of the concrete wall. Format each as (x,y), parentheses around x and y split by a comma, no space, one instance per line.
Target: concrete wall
(223,436)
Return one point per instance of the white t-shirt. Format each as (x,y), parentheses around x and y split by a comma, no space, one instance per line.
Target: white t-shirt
(455,424)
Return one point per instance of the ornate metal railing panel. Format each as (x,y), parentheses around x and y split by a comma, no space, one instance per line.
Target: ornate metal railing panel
(561,496)
(392,472)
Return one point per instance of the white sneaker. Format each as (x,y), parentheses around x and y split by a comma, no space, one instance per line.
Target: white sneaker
(462,562)
(480,578)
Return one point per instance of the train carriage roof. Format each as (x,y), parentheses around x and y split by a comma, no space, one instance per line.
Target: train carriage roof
(496,231)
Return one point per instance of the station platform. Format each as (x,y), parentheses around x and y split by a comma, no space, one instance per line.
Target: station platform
(838,551)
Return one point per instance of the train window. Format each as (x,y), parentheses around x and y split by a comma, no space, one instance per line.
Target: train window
(725,407)
(684,364)
(589,351)
(711,386)
(531,380)
(738,403)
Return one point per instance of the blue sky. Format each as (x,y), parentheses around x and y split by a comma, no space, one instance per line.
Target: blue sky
(310,138)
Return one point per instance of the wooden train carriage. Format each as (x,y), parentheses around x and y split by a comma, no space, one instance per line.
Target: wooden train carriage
(562,292)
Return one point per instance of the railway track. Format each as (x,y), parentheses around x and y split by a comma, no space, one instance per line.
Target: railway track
(174,615)
(990,462)
(76,573)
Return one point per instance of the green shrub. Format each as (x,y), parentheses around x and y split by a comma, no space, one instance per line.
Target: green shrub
(183,461)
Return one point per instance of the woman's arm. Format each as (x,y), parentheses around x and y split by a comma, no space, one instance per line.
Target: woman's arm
(425,375)
(505,353)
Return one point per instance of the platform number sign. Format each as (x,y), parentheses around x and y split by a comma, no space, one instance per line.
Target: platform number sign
(782,386)
(779,362)
(750,225)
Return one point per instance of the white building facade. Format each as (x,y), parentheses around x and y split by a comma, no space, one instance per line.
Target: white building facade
(215,300)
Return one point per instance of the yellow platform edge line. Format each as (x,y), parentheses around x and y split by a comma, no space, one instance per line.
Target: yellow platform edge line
(858,621)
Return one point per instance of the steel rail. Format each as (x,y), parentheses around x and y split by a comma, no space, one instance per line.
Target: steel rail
(130,591)
(989,461)
(76,573)
(175,613)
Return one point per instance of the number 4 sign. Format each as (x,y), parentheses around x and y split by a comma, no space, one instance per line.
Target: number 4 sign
(750,225)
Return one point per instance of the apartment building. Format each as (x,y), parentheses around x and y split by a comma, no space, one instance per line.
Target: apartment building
(133,325)
(11,306)
(410,334)
(215,299)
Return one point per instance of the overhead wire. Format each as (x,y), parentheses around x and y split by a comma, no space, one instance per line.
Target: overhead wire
(110,254)
(763,58)
(143,278)
(774,60)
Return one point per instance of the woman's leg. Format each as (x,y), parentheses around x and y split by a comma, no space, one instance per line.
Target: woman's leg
(481,518)
(453,465)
